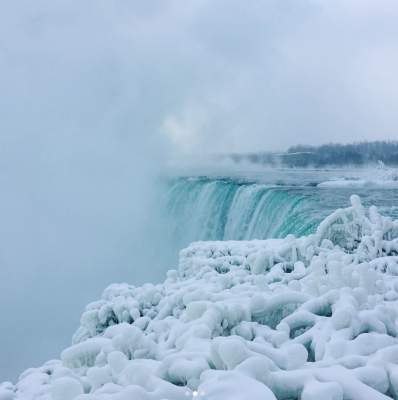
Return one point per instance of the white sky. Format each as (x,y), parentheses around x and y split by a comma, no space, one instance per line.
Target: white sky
(210,76)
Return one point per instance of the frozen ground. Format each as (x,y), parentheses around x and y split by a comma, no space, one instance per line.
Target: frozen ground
(298,318)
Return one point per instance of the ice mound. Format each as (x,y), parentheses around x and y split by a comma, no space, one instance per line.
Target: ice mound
(381,178)
(359,183)
(297,318)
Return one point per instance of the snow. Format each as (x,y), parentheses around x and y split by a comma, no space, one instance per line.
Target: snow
(380,178)
(305,318)
(359,183)
(66,388)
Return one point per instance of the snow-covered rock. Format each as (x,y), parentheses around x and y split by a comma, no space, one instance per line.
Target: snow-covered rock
(295,318)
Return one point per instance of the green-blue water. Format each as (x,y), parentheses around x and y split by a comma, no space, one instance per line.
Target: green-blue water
(204,208)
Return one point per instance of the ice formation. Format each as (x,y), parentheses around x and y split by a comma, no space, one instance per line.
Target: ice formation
(359,183)
(297,318)
(382,177)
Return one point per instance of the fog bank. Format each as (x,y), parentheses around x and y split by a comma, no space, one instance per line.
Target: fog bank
(79,155)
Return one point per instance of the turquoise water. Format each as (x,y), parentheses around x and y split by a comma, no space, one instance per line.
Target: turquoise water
(220,208)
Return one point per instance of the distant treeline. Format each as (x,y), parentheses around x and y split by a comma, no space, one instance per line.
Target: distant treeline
(333,154)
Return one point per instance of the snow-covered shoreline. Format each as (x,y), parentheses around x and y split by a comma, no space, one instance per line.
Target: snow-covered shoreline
(296,318)
(359,183)
(380,178)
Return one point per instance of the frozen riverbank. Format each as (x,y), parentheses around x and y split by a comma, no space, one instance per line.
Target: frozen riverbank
(295,318)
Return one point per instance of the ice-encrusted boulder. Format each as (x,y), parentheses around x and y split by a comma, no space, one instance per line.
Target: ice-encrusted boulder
(295,318)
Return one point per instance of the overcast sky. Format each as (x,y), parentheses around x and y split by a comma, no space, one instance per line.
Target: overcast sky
(95,94)
(224,75)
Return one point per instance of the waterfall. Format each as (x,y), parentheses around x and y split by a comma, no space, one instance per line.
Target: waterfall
(226,209)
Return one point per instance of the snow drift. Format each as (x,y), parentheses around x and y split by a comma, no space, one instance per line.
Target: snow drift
(297,318)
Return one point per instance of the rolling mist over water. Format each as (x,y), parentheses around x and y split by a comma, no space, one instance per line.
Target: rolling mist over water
(71,224)
(77,175)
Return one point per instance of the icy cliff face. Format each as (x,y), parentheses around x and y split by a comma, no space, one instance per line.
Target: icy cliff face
(298,318)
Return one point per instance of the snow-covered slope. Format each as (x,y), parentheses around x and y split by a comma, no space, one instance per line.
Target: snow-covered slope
(309,318)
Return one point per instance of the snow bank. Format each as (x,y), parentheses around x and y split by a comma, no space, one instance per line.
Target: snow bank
(296,318)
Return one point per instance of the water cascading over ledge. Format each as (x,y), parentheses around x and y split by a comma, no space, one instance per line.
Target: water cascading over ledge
(225,209)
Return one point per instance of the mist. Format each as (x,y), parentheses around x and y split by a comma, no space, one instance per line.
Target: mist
(79,157)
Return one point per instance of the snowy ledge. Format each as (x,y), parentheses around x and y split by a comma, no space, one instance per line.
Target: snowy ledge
(298,318)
